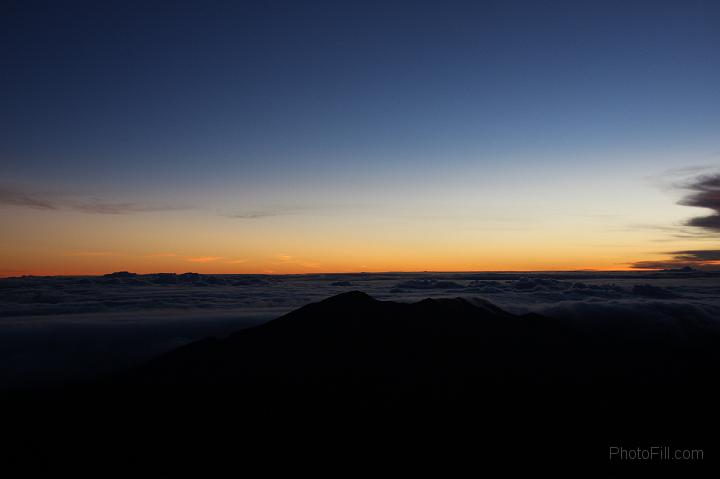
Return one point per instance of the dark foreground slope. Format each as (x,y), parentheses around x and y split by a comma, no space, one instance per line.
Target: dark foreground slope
(354,383)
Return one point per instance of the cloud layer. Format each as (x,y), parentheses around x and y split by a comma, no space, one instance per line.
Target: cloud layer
(84,325)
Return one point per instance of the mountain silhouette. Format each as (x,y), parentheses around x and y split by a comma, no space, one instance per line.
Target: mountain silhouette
(350,339)
(353,380)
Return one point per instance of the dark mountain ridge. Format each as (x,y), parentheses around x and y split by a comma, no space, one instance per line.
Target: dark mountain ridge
(362,378)
(354,334)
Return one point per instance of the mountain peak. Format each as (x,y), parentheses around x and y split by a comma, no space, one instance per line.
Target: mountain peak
(350,298)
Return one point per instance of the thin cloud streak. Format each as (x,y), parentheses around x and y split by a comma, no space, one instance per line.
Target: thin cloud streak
(126,208)
(15,198)
(10,197)
(252,215)
(696,259)
(204,259)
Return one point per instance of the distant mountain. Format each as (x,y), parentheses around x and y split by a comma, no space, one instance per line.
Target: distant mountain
(350,339)
(362,381)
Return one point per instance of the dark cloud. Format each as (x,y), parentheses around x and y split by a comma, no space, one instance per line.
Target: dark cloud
(698,259)
(699,255)
(706,194)
(711,222)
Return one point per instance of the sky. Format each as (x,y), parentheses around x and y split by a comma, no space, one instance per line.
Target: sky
(338,136)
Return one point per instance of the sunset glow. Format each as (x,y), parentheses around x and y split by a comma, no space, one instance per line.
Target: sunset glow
(420,148)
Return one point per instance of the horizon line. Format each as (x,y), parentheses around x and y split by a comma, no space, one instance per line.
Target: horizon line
(585,270)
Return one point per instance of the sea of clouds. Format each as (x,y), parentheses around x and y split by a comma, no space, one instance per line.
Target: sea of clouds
(61,329)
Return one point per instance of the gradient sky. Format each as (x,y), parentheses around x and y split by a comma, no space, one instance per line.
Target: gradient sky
(317,136)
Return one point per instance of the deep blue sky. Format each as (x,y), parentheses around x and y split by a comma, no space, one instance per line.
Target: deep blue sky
(175,99)
(102,86)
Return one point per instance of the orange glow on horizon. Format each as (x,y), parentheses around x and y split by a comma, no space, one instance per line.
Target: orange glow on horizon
(213,265)
(51,243)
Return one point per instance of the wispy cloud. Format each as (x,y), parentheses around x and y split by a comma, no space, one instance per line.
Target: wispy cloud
(698,255)
(675,178)
(672,232)
(10,197)
(674,173)
(698,259)
(205,259)
(38,201)
(252,215)
(121,208)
